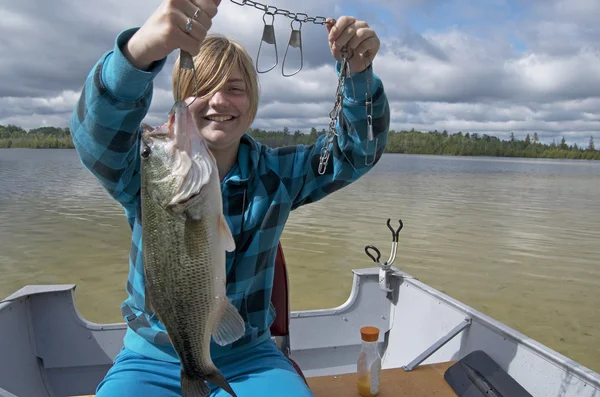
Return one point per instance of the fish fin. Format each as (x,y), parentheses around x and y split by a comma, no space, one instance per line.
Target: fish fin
(217,378)
(225,233)
(193,387)
(230,326)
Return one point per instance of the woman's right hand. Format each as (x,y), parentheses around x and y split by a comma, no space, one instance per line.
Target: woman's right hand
(165,31)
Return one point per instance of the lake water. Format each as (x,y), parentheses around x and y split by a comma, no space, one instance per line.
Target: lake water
(517,239)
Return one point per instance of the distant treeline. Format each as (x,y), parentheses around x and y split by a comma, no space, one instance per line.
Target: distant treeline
(12,136)
(412,142)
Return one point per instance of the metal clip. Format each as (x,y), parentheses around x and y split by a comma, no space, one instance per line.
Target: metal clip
(296,42)
(268,37)
(370,135)
(323,163)
(385,268)
(186,62)
(369,111)
(347,54)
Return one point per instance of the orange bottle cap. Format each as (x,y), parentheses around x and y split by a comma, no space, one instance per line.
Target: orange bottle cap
(369,334)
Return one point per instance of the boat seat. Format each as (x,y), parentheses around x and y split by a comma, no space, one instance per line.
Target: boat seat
(281,302)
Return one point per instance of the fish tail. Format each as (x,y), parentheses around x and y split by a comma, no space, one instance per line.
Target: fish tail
(193,386)
(196,386)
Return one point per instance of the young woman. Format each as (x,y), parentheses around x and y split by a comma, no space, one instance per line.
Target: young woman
(260,185)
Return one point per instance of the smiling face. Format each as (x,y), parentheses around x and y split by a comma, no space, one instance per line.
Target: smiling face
(227,99)
(224,118)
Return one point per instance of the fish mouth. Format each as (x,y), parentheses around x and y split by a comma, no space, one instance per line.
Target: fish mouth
(188,200)
(178,206)
(191,166)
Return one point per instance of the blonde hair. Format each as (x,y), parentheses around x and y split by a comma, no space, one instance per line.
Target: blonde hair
(214,65)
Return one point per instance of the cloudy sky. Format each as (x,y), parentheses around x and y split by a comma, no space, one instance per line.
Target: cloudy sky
(486,66)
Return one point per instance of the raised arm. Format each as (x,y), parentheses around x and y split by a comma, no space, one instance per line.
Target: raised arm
(117,93)
(350,158)
(106,121)
(362,126)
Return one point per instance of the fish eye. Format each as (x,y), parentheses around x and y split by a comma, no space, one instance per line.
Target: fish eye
(146,151)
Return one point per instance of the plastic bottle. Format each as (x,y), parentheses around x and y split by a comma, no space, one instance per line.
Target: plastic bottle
(369,363)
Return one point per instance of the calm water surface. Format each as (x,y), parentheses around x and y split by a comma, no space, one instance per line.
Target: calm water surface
(516,239)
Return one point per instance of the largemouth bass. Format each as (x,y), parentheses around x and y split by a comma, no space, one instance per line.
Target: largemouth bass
(184,242)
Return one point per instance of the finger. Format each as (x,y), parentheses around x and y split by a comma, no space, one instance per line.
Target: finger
(202,16)
(370,45)
(345,36)
(209,7)
(361,35)
(350,33)
(339,27)
(198,31)
(186,42)
(329,24)
(204,19)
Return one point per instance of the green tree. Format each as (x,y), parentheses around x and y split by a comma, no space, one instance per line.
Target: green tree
(404,141)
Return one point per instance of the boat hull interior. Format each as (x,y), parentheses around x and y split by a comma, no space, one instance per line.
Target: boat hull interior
(48,349)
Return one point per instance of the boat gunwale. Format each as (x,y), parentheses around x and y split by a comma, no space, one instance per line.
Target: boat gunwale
(566,364)
(32,290)
(570,366)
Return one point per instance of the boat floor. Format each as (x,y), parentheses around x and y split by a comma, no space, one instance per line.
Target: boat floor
(425,380)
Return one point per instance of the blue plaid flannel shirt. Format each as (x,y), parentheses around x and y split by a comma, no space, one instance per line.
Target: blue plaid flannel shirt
(258,193)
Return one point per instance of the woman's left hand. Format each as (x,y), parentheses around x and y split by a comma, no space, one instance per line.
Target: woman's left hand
(359,38)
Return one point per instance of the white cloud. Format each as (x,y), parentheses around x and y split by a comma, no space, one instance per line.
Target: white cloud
(458,78)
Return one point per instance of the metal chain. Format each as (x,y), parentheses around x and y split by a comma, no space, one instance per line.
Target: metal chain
(335,112)
(334,115)
(295,16)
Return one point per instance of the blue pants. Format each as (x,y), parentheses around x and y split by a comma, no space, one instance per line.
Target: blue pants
(260,371)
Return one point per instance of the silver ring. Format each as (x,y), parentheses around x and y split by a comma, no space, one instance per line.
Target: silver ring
(196,13)
(188,25)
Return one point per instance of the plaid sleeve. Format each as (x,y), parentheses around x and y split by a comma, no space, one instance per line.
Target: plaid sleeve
(106,121)
(298,165)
